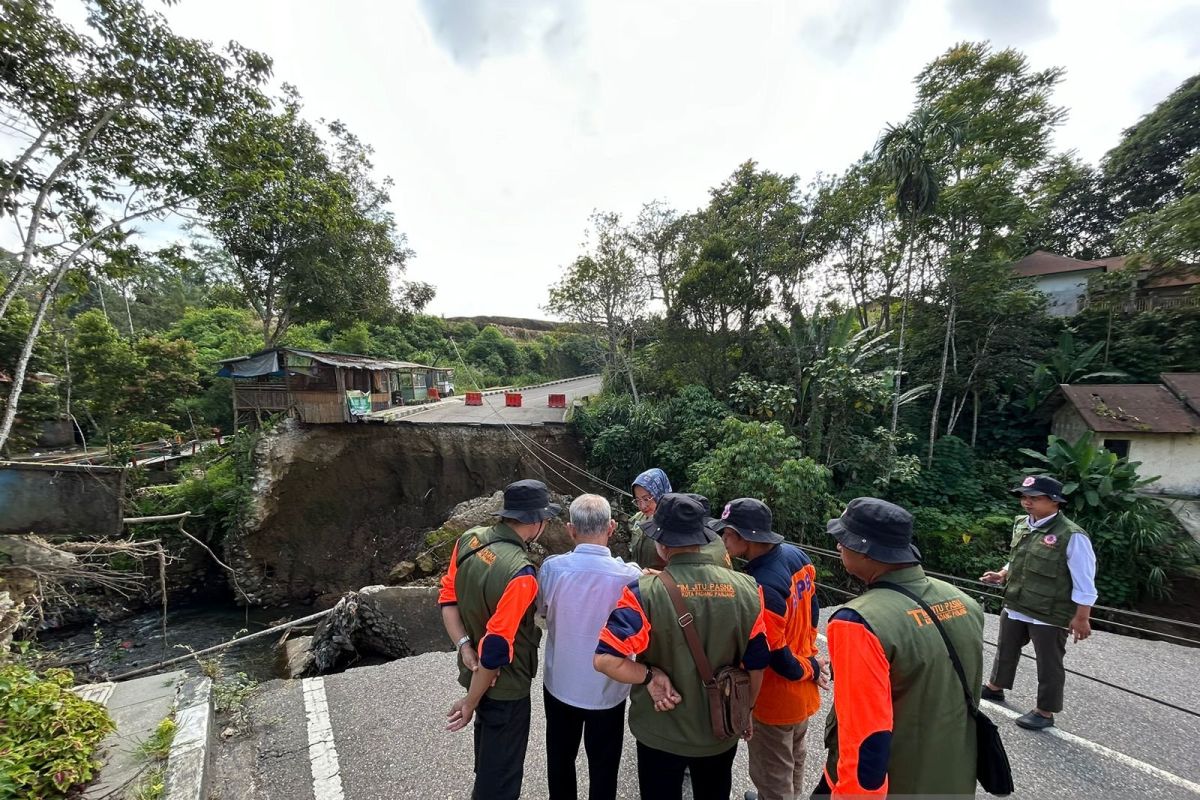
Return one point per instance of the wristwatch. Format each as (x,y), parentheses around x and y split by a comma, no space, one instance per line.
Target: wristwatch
(649,676)
(464,640)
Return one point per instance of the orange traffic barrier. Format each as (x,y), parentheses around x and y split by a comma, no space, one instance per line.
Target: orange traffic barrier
(433,393)
(558,401)
(512,399)
(474,399)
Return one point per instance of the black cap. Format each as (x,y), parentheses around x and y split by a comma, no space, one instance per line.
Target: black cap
(527,501)
(1041,485)
(880,530)
(751,518)
(679,521)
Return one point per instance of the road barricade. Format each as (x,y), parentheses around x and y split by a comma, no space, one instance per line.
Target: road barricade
(432,393)
(474,399)
(557,401)
(512,399)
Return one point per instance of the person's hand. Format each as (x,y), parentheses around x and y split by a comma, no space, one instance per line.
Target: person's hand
(662,692)
(1080,627)
(824,676)
(470,657)
(749,732)
(649,571)
(995,578)
(460,715)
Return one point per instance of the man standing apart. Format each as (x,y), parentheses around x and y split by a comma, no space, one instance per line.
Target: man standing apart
(789,693)
(668,713)
(487,599)
(899,724)
(578,591)
(1051,588)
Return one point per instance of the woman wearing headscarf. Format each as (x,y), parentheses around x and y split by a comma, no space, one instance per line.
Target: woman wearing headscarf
(648,489)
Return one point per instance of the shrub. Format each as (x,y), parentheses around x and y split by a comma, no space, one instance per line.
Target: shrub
(47,733)
(757,459)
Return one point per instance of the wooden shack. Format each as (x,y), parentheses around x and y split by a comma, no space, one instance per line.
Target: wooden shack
(320,387)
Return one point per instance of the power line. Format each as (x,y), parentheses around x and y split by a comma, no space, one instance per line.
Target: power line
(1107,609)
(1093,678)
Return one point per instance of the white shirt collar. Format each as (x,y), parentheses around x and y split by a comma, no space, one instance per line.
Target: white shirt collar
(1041,523)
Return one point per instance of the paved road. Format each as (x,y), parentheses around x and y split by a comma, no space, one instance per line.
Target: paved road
(534,409)
(386,729)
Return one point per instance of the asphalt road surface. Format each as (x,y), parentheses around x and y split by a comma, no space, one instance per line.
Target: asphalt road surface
(534,409)
(382,736)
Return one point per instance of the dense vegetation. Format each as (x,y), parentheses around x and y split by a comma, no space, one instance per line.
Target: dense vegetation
(805,341)
(865,333)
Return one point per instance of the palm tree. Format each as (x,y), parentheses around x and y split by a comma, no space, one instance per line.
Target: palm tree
(906,154)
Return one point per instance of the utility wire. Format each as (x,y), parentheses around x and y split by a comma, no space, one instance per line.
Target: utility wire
(1093,678)
(1108,609)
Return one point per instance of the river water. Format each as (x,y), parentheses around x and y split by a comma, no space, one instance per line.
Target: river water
(115,647)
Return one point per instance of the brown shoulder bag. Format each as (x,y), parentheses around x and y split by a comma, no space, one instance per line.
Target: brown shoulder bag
(728,689)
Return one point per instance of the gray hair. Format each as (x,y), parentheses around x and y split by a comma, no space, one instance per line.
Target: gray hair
(590,514)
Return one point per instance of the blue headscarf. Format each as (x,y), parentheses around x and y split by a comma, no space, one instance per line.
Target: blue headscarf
(654,481)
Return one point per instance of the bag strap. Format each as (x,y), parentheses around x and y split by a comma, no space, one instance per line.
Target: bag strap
(972,709)
(686,618)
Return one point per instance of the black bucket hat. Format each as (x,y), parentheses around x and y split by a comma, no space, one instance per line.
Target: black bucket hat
(527,501)
(880,530)
(679,521)
(751,518)
(1034,486)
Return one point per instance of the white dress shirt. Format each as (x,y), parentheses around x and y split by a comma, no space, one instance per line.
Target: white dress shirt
(576,593)
(1081,561)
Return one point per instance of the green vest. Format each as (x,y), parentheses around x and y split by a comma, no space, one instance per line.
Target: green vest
(725,606)
(643,552)
(1039,578)
(479,584)
(933,736)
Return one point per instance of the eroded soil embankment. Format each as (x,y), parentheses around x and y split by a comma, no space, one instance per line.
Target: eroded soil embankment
(336,506)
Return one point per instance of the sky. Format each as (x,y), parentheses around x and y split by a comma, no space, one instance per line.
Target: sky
(504,123)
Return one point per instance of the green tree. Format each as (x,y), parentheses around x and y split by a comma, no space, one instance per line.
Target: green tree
(759,459)
(604,292)
(1146,170)
(110,125)
(304,222)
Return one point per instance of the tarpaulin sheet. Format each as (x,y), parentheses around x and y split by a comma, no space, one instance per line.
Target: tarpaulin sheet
(360,402)
(253,367)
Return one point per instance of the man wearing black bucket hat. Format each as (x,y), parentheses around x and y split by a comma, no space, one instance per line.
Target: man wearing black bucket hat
(789,693)
(1050,588)
(669,713)
(487,598)
(898,725)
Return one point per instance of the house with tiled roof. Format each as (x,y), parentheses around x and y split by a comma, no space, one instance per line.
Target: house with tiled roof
(1157,424)
(1064,281)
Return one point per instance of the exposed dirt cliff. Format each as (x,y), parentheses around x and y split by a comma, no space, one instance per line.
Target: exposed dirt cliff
(336,506)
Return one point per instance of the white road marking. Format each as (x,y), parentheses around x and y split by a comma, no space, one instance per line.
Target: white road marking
(1098,749)
(322,756)
(96,692)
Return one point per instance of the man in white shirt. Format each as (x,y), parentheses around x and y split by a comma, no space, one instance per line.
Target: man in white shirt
(1050,588)
(578,590)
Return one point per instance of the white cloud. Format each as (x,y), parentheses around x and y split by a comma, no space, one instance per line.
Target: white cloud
(505,122)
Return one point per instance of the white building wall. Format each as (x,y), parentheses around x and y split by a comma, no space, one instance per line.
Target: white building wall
(1175,457)
(1065,290)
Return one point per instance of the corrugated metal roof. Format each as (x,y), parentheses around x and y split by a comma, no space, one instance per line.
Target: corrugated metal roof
(1186,386)
(348,360)
(1131,408)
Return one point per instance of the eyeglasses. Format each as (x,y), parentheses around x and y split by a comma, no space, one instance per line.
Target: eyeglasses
(643,501)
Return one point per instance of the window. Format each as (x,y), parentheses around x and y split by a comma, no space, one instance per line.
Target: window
(1119,447)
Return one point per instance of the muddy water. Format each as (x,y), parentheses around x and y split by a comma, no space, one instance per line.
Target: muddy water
(115,647)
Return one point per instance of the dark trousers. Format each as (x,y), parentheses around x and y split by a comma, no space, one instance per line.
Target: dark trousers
(501,736)
(660,774)
(1049,645)
(602,731)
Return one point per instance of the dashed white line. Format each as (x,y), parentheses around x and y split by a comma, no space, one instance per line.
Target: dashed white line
(322,756)
(1098,749)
